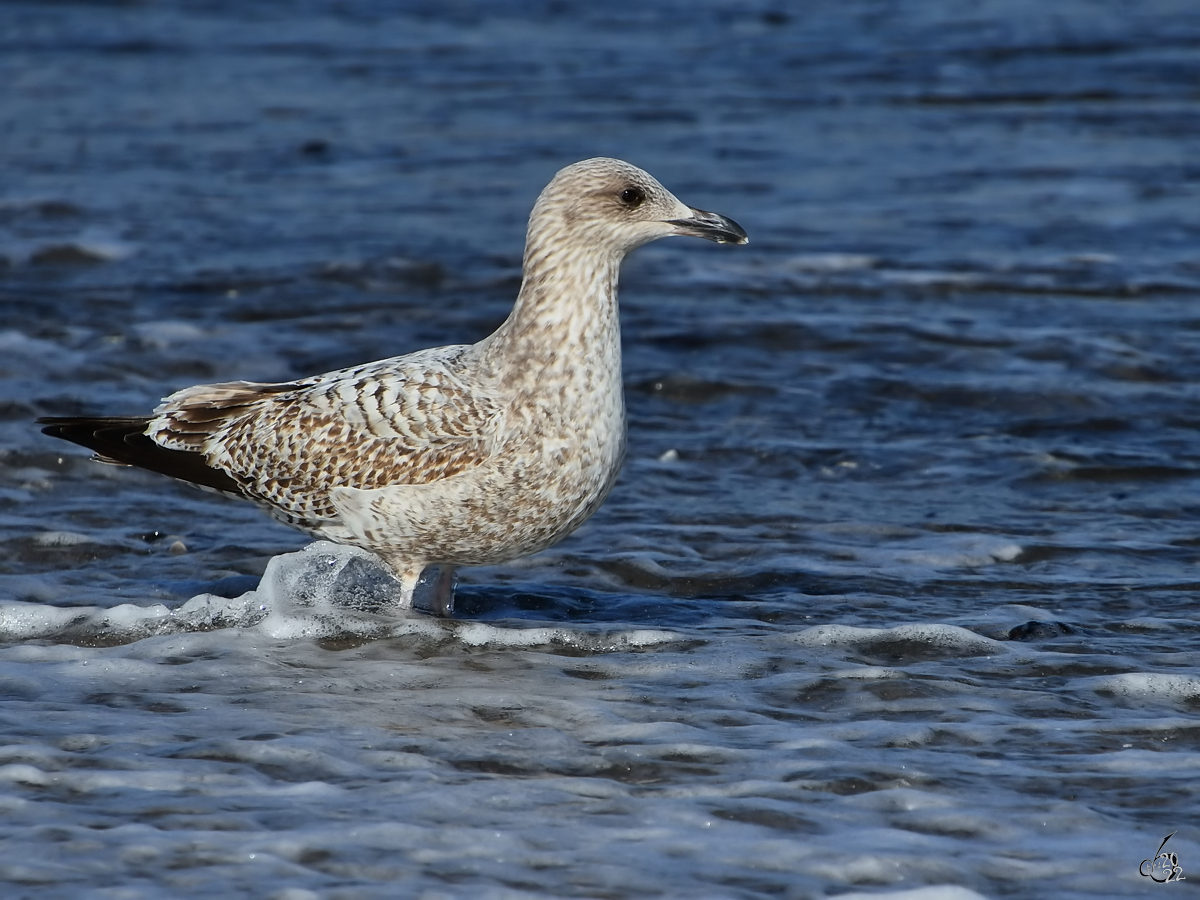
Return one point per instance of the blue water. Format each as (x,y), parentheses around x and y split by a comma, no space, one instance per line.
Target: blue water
(896,593)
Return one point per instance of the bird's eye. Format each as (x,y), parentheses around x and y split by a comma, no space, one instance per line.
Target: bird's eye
(633,197)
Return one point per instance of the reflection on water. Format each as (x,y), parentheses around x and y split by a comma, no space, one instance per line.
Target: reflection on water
(903,556)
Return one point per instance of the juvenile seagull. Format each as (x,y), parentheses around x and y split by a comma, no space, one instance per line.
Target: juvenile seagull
(455,456)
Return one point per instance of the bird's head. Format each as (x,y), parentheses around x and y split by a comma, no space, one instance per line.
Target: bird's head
(610,204)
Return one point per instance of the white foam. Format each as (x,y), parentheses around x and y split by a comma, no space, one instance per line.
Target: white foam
(985,555)
(479,634)
(129,615)
(162,334)
(830,262)
(934,892)
(25,774)
(1149,686)
(945,637)
(61,539)
(904,800)
(882,546)
(35,354)
(869,673)
(957,551)
(929,278)
(323,591)
(26,621)
(94,244)
(103,246)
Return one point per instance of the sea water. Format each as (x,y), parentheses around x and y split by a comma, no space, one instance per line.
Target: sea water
(895,596)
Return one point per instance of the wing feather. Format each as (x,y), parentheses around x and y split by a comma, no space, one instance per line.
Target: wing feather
(410,420)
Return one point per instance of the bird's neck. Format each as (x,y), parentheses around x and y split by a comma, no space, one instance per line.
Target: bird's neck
(564,327)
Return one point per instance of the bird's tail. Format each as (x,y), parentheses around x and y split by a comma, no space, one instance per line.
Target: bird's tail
(122,440)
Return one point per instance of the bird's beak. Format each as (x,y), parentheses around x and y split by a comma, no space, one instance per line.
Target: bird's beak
(711,227)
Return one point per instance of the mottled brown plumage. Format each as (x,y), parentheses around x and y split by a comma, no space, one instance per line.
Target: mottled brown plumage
(462,455)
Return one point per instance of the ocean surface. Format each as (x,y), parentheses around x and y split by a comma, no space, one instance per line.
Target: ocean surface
(897,593)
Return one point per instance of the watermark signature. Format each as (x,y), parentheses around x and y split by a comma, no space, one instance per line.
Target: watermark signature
(1164,867)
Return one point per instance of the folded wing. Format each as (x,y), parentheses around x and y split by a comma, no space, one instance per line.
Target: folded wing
(411,420)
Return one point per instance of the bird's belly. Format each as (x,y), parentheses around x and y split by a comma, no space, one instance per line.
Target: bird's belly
(539,487)
(551,469)
(536,494)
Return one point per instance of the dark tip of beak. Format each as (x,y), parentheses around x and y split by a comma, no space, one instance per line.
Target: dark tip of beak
(711,227)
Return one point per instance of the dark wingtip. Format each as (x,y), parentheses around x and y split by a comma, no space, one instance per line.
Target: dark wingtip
(123,439)
(54,426)
(91,431)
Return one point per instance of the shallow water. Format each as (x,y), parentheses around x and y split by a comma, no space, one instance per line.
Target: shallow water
(896,592)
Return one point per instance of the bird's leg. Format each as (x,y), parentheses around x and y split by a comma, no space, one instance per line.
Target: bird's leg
(443,593)
(408,583)
(439,593)
(429,588)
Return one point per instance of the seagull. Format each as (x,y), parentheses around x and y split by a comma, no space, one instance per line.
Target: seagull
(464,455)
